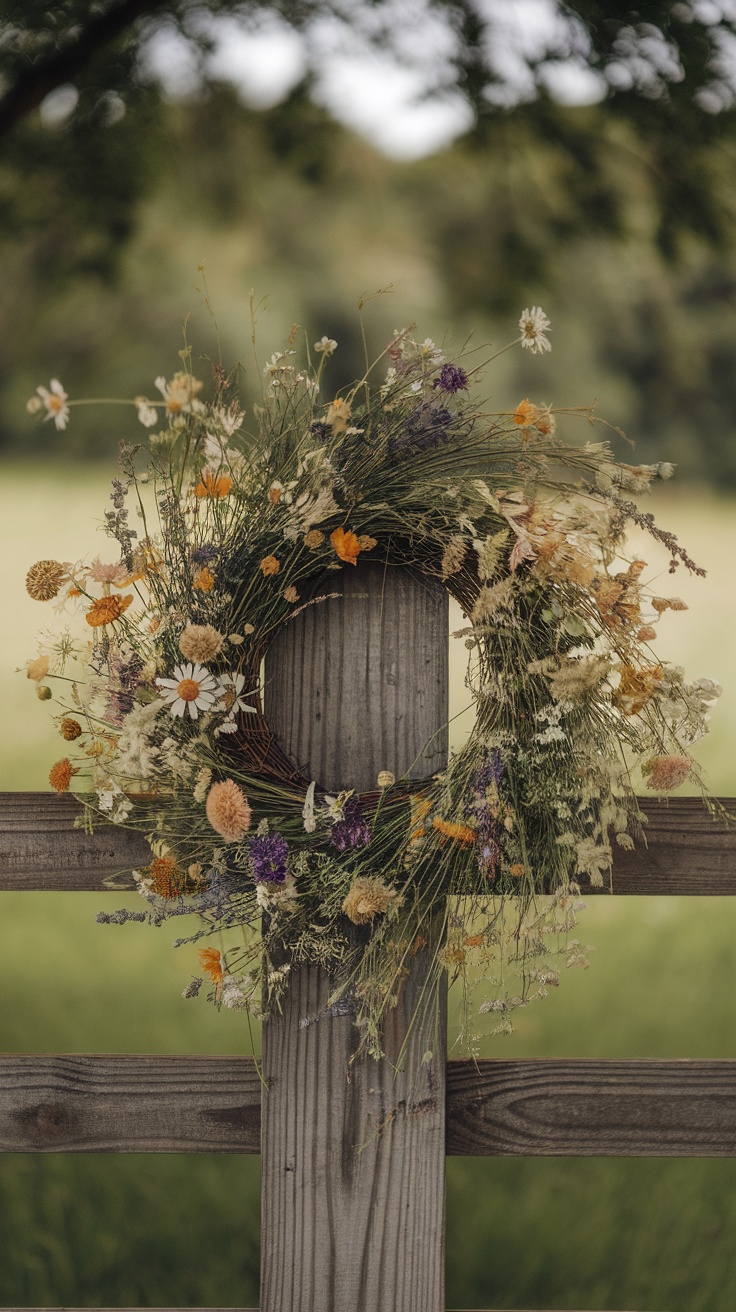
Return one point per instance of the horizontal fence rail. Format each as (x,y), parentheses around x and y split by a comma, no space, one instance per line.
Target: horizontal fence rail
(533,1107)
(687,852)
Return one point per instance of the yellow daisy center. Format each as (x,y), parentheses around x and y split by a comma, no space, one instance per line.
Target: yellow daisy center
(188,690)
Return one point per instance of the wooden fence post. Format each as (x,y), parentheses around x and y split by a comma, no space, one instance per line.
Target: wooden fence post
(353,1151)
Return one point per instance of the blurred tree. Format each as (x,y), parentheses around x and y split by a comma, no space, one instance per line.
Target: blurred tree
(659,70)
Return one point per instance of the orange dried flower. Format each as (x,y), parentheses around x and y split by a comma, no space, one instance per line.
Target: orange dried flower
(228,810)
(516,870)
(69,728)
(346,544)
(168,880)
(474,941)
(270,565)
(106,610)
(420,809)
(211,962)
(636,686)
(204,580)
(459,833)
(60,775)
(313,539)
(212,485)
(526,413)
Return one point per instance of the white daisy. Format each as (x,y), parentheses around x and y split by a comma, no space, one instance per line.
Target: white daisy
(232,692)
(533,325)
(192,689)
(55,403)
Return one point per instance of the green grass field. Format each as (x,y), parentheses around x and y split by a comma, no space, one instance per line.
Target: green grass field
(567,1234)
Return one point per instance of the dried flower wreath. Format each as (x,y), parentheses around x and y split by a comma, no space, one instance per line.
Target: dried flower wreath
(159,686)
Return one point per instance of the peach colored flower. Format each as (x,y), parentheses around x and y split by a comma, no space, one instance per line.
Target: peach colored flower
(228,810)
(270,565)
(526,413)
(313,539)
(37,669)
(665,773)
(291,594)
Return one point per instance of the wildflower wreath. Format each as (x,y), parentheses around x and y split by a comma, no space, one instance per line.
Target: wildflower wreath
(159,684)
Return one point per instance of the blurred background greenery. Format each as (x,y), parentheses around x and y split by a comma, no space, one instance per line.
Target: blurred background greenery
(488,187)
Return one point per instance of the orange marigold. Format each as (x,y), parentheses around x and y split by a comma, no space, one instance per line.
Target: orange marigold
(60,774)
(346,544)
(213,485)
(211,963)
(459,833)
(270,565)
(106,610)
(69,728)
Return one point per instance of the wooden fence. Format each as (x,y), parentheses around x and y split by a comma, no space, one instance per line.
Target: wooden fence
(485,1108)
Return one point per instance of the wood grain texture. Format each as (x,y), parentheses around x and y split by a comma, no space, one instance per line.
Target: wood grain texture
(688,853)
(358,684)
(41,849)
(525,1108)
(543,1108)
(353,1199)
(126,1104)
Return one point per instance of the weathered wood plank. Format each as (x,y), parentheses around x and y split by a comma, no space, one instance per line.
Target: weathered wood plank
(688,853)
(544,1108)
(41,849)
(532,1107)
(352,1211)
(358,683)
(124,1104)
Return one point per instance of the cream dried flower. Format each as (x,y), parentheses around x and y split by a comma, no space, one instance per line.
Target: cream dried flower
(228,810)
(386,779)
(368,897)
(490,600)
(54,402)
(37,669)
(326,345)
(200,642)
(490,553)
(453,556)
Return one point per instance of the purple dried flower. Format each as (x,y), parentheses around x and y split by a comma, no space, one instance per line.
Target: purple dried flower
(452,379)
(269,854)
(490,830)
(205,554)
(126,676)
(352,830)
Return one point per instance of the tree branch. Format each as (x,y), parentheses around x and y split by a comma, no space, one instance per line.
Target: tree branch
(35,83)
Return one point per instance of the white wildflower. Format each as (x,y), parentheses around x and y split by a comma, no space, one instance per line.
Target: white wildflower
(232,995)
(490,553)
(310,822)
(147,413)
(328,345)
(54,402)
(533,325)
(201,787)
